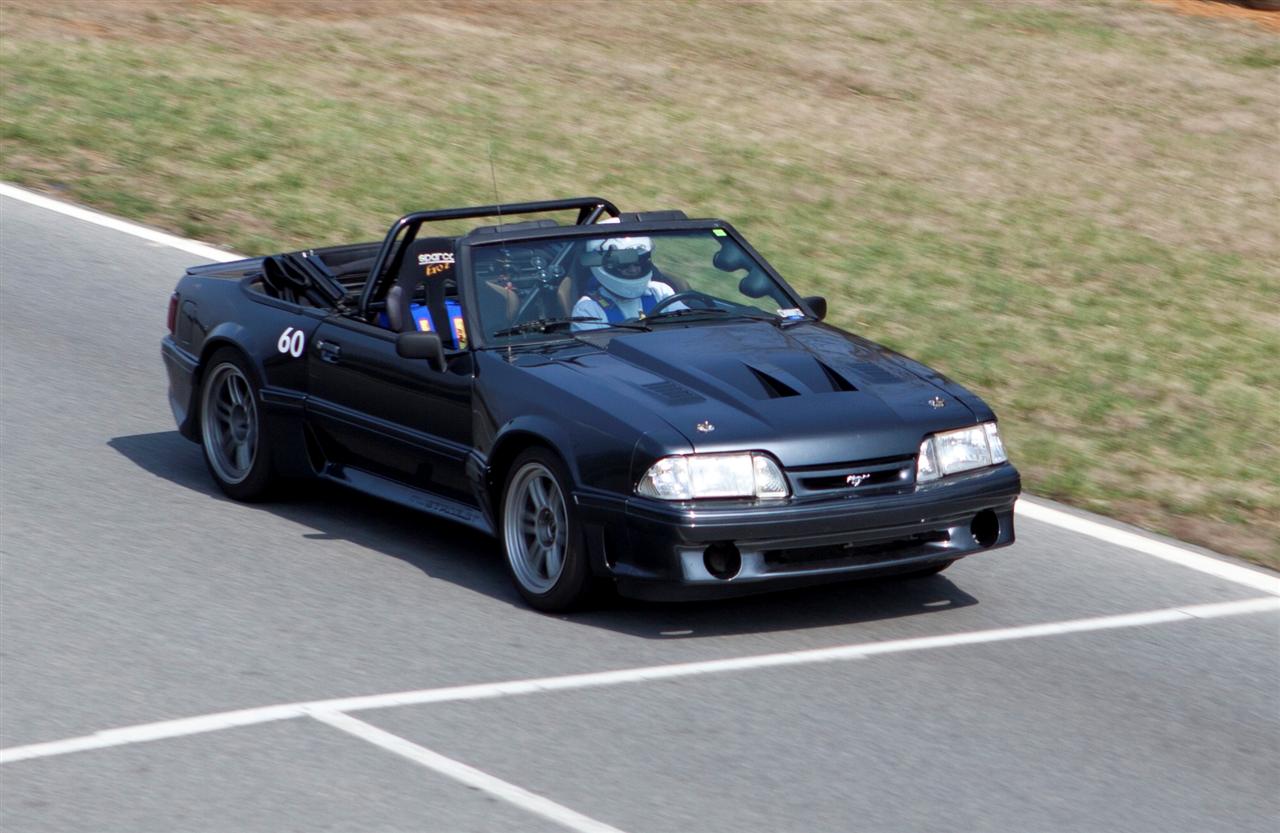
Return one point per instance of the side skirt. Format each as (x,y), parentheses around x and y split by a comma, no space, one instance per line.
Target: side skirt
(423,501)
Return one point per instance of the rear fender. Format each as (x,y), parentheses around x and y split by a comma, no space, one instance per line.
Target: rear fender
(281,379)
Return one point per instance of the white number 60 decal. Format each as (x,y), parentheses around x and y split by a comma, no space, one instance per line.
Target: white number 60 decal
(292,341)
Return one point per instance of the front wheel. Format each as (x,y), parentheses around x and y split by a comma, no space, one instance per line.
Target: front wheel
(231,428)
(541,535)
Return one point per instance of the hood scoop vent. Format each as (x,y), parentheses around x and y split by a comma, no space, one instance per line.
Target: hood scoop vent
(774,388)
(799,379)
(838,382)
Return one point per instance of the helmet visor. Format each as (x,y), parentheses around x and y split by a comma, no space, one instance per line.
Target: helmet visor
(628,264)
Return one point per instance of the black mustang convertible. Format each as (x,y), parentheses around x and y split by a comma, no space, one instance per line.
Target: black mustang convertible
(628,399)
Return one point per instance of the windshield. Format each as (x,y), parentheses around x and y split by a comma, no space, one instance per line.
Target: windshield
(533,290)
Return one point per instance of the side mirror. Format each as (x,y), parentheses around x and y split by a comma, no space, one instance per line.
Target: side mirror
(421,346)
(817,305)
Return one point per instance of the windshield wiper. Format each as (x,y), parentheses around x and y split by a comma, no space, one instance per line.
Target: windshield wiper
(677,313)
(756,315)
(547,325)
(745,312)
(739,312)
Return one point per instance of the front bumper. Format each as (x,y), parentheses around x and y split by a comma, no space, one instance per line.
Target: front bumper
(656,550)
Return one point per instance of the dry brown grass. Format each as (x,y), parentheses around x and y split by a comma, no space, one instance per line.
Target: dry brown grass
(1229,9)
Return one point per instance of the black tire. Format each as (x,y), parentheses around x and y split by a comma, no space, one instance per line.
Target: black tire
(232,428)
(931,570)
(541,535)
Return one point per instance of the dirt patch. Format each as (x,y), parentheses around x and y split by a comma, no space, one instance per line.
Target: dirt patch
(1224,8)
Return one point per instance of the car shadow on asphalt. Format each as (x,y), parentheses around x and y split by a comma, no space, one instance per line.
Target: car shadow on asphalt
(470,559)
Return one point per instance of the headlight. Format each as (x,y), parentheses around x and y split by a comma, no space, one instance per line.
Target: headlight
(956,451)
(690,476)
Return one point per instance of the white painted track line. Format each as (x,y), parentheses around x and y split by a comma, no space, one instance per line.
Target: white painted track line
(468,775)
(247,717)
(1266,582)
(1220,568)
(106,220)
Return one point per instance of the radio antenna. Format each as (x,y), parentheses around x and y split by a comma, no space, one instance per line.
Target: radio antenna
(497,203)
(493,172)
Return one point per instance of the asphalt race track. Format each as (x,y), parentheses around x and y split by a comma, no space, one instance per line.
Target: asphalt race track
(1078,681)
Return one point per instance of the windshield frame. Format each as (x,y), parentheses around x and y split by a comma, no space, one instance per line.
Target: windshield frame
(466,284)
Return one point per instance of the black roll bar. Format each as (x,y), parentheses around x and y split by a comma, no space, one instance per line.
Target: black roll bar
(589,210)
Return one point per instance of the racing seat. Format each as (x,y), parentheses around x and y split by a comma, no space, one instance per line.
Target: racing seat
(428,261)
(573,286)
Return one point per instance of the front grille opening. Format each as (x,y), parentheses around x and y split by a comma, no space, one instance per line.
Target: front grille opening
(862,481)
(851,465)
(848,555)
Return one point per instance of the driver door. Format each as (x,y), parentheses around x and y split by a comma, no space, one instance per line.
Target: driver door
(397,418)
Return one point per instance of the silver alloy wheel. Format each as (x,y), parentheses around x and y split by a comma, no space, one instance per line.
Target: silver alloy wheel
(229,423)
(536,527)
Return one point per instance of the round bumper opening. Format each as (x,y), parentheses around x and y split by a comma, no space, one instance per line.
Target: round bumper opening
(722,560)
(985,528)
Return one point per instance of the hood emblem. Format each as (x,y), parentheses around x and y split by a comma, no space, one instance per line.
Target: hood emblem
(937,402)
(706,427)
(855,480)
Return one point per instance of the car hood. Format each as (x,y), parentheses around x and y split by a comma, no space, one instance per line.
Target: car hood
(810,394)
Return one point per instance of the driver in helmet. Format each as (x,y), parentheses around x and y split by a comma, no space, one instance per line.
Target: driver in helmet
(623,286)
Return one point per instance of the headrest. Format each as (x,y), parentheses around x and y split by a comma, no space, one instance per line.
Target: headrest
(429,258)
(731,258)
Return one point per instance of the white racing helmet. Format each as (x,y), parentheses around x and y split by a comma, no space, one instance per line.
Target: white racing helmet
(625,267)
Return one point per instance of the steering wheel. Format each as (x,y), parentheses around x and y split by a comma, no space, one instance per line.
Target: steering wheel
(704,300)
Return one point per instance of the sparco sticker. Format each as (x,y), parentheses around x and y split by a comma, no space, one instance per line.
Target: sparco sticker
(433,258)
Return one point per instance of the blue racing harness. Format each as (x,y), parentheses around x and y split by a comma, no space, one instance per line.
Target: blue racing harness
(613,313)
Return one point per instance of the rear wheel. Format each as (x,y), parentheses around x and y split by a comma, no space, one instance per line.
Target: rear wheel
(231,428)
(541,534)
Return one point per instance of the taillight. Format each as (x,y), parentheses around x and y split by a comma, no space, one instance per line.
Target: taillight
(173,312)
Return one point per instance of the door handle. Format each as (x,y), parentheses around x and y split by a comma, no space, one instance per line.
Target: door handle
(329,352)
